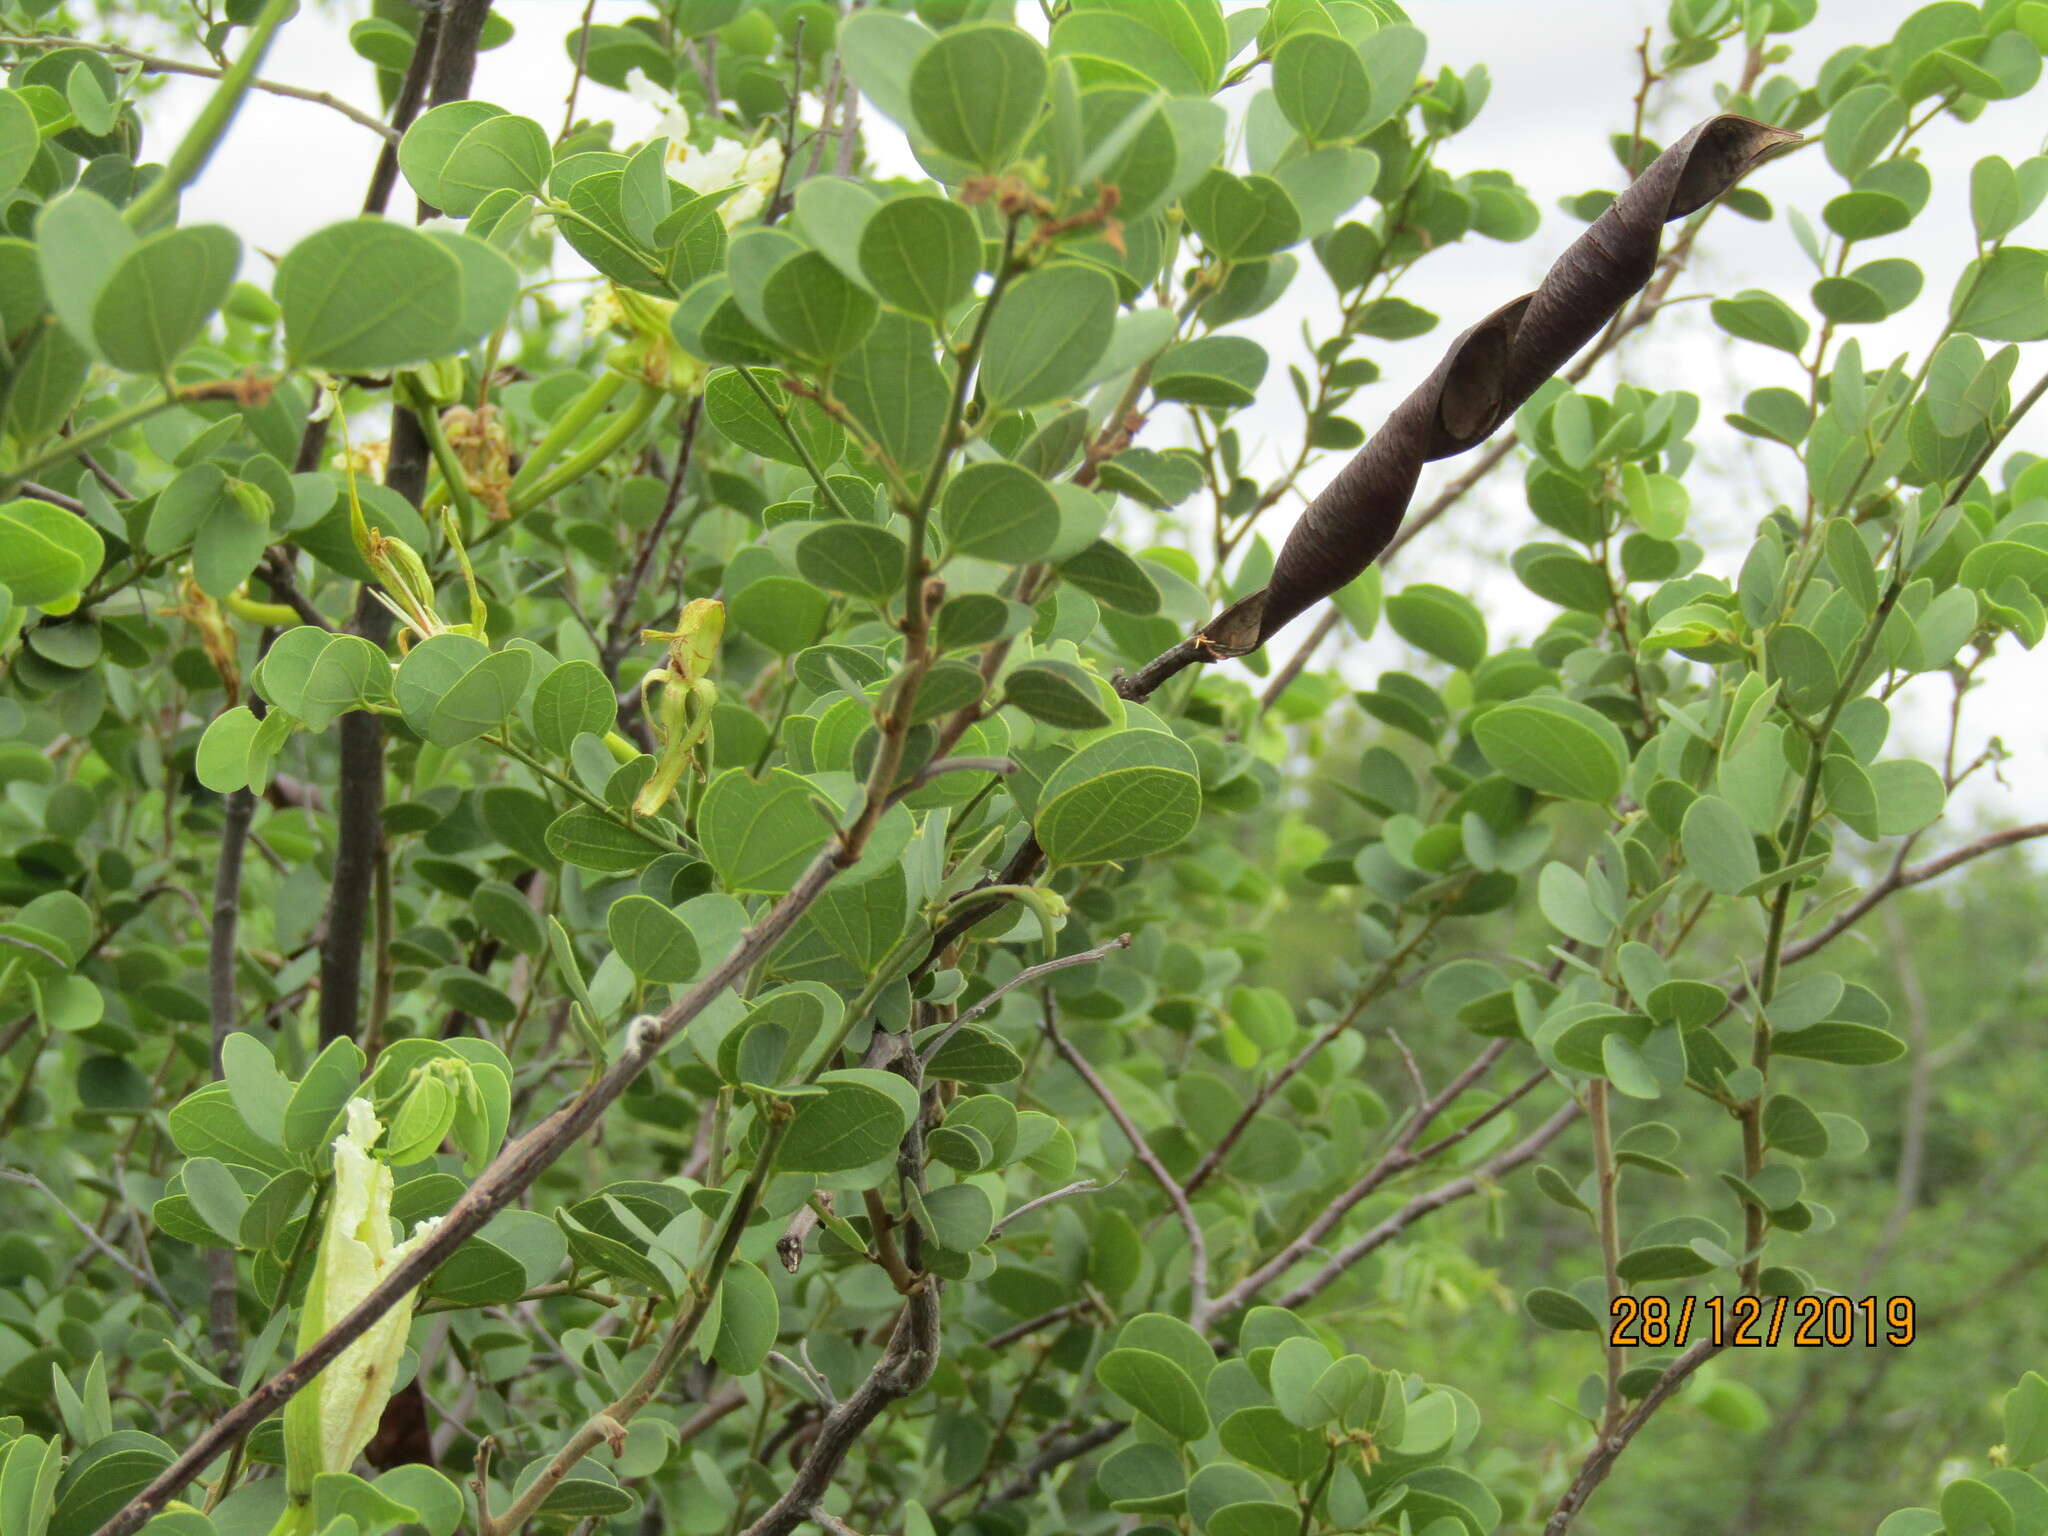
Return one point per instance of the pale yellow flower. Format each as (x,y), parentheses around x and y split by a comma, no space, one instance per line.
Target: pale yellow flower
(330,1422)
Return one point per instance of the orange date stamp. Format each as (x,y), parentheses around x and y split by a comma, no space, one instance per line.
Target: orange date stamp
(1758,1322)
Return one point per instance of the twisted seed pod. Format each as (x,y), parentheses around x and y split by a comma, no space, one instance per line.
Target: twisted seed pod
(1484,378)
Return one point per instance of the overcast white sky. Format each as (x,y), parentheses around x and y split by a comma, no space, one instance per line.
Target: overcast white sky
(1564,75)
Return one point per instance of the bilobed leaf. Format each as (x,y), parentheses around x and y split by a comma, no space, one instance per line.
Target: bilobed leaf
(160,295)
(425,150)
(2026,1421)
(814,308)
(1123,797)
(2004,296)
(1719,851)
(1841,1043)
(1047,332)
(222,761)
(366,296)
(656,944)
(500,151)
(481,700)
(999,511)
(975,92)
(1444,623)
(1754,315)
(589,839)
(47,554)
(1555,746)
(848,1126)
(572,699)
(759,835)
(80,240)
(1157,1388)
(1057,692)
(857,558)
(1320,83)
(749,1317)
(921,254)
(1263,1437)
(321,1095)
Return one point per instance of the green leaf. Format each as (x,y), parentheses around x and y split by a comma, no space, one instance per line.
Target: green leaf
(1049,328)
(366,296)
(103,1477)
(589,839)
(999,511)
(261,1093)
(1554,746)
(858,558)
(1841,1043)
(425,150)
(976,91)
(1971,1508)
(160,295)
(1242,217)
(80,240)
(216,1196)
(749,1317)
(222,761)
(2026,1421)
(2004,296)
(321,1096)
(20,139)
(500,151)
(850,1125)
(574,699)
(814,308)
(481,700)
(656,944)
(921,254)
(1109,575)
(1157,1388)
(1754,315)
(1320,84)
(1719,850)
(1262,1437)
(1446,624)
(1135,793)
(47,554)
(1551,1308)
(892,386)
(759,835)
(1220,371)
(1057,692)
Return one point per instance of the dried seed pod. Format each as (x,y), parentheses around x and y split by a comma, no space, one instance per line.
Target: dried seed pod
(1489,371)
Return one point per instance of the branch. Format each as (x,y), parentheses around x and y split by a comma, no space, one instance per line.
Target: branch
(509,1175)
(906,1365)
(1398,1158)
(1198,1248)
(156,64)
(1601,1462)
(1900,879)
(1422,1205)
(1023,978)
(1056,1455)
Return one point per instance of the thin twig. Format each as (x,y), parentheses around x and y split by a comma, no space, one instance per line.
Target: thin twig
(1023,978)
(156,64)
(1198,1248)
(1078,1187)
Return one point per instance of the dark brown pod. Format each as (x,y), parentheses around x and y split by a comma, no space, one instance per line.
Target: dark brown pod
(1485,377)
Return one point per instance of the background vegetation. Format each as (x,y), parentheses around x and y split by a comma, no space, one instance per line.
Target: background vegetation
(626,823)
